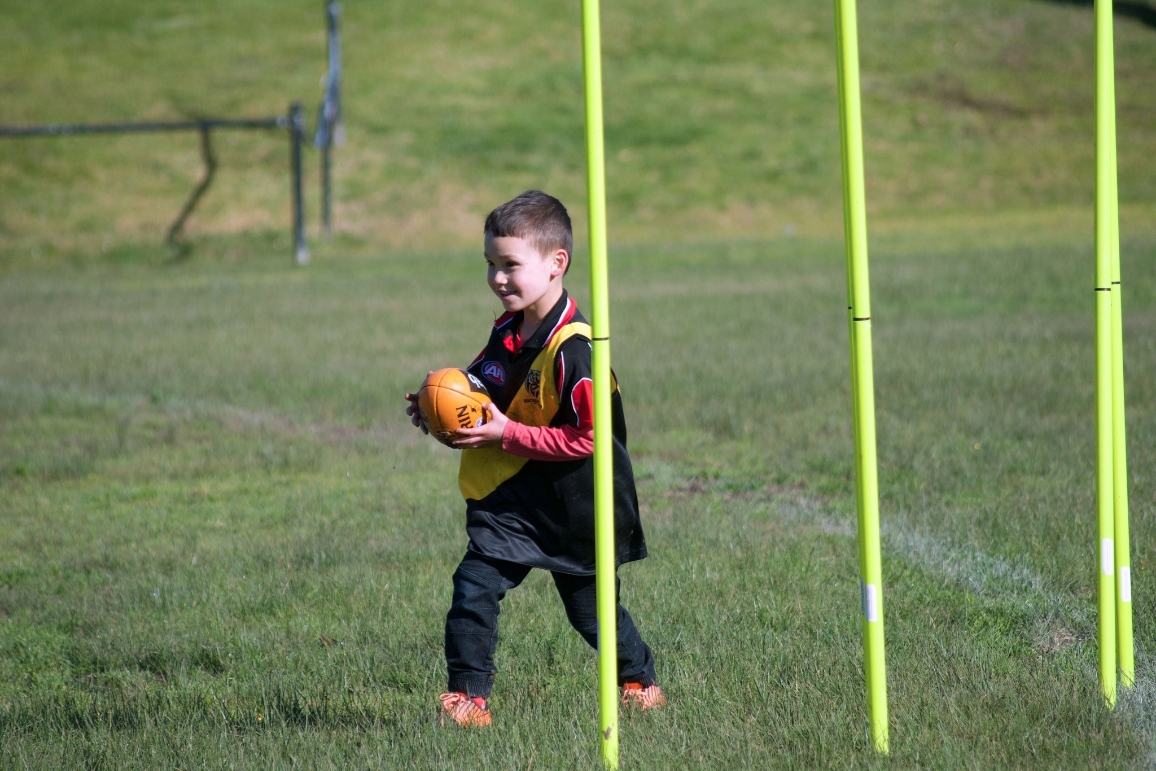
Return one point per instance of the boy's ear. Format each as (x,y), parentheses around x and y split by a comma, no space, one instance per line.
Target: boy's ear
(561,263)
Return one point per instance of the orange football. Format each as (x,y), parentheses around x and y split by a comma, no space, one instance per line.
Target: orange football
(450,399)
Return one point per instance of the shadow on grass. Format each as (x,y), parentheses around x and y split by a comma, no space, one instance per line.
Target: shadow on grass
(1140,11)
(178,251)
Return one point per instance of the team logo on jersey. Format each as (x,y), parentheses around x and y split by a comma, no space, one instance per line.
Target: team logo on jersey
(494,372)
(534,382)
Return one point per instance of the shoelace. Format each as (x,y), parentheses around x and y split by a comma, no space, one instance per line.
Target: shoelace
(456,701)
(649,697)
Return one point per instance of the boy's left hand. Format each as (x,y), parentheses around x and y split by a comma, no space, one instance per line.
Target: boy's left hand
(485,435)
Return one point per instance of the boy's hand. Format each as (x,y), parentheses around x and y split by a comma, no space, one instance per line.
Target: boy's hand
(485,435)
(413,411)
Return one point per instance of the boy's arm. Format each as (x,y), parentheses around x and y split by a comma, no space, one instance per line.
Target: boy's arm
(547,443)
(533,442)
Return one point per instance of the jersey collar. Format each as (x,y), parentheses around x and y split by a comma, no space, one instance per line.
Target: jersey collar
(559,316)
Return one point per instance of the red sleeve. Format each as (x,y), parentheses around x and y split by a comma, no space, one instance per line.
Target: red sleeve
(582,402)
(546,443)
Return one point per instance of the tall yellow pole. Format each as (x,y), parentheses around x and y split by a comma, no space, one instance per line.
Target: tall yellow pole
(607,602)
(1105,211)
(1125,655)
(862,372)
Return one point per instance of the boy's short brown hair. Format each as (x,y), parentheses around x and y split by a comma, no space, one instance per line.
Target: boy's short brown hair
(537,217)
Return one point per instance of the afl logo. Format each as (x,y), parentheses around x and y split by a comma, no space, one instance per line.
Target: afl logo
(494,372)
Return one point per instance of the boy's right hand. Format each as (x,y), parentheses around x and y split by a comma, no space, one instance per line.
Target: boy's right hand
(413,411)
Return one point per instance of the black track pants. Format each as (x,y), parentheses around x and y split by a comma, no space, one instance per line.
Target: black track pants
(480,583)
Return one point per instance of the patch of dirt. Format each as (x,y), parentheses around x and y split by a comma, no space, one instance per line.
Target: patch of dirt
(951,92)
(1057,640)
(695,487)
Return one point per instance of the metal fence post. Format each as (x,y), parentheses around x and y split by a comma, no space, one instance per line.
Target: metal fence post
(329,115)
(326,219)
(296,131)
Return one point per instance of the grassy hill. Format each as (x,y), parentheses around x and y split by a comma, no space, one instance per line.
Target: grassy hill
(721,115)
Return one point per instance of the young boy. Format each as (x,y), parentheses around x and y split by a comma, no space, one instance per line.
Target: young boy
(527,475)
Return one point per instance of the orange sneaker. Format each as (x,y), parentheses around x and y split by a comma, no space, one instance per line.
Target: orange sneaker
(463,710)
(649,697)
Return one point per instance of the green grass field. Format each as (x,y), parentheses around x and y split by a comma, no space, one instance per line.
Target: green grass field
(223,545)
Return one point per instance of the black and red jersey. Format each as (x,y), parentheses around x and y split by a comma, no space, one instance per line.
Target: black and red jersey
(543,515)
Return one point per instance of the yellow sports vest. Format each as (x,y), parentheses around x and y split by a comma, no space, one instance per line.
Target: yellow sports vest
(535,404)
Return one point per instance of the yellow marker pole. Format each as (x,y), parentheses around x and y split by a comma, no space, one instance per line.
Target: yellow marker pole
(862,373)
(607,601)
(1105,212)
(1125,655)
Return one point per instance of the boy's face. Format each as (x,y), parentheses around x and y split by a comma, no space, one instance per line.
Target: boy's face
(518,273)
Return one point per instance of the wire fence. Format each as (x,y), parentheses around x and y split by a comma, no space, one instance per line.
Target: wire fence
(330,131)
(293,122)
